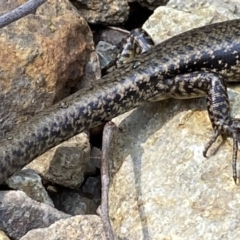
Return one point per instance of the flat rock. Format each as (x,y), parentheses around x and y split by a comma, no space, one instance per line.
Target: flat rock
(74,202)
(19,214)
(86,227)
(162,187)
(165,188)
(180,16)
(65,164)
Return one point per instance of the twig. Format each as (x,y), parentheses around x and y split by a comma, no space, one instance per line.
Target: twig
(19,12)
(103,209)
(119,29)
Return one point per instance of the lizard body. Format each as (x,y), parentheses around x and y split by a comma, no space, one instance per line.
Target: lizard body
(193,64)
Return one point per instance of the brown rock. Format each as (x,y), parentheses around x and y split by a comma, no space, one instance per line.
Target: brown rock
(42,56)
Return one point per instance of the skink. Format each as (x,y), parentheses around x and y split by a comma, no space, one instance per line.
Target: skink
(193,64)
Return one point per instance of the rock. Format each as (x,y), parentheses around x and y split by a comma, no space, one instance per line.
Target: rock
(107,53)
(165,188)
(111,35)
(43,56)
(170,20)
(162,187)
(65,164)
(75,203)
(28,181)
(19,214)
(103,12)
(86,227)
(95,159)
(92,187)
(151,4)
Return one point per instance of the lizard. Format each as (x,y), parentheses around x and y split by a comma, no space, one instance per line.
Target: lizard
(192,64)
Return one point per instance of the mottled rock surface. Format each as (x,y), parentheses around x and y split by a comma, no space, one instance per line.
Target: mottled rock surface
(28,181)
(107,53)
(162,187)
(151,4)
(103,11)
(65,164)
(165,188)
(88,227)
(75,203)
(43,56)
(180,16)
(19,214)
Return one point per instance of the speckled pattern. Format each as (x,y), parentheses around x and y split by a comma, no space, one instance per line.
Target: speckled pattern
(192,64)
(136,43)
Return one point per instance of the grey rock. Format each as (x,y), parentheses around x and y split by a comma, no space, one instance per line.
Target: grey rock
(170,20)
(28,181)
(65,164)
(75,203)
(160,179)
(92,187)
(88,227)
(19,214)
(103,12)
(151,4)
(107,53)
(165,188)
(112,35)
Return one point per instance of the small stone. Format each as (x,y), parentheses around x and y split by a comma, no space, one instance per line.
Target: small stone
(30,182)
(19,214)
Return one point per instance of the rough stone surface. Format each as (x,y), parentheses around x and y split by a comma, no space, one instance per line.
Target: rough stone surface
(162,187)
(92,187)
(75,203)
(107,53)
(165,188)
(66,163)
(110,35)
(28,181)
(43,56)
(178,17)
(151,4)
(103,11)
(19,214)
(88,227)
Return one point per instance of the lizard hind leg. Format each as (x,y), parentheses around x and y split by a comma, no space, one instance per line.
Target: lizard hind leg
(230,127)
(234,131)
(219,114)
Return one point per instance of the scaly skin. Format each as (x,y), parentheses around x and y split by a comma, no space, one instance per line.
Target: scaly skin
(192,64)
